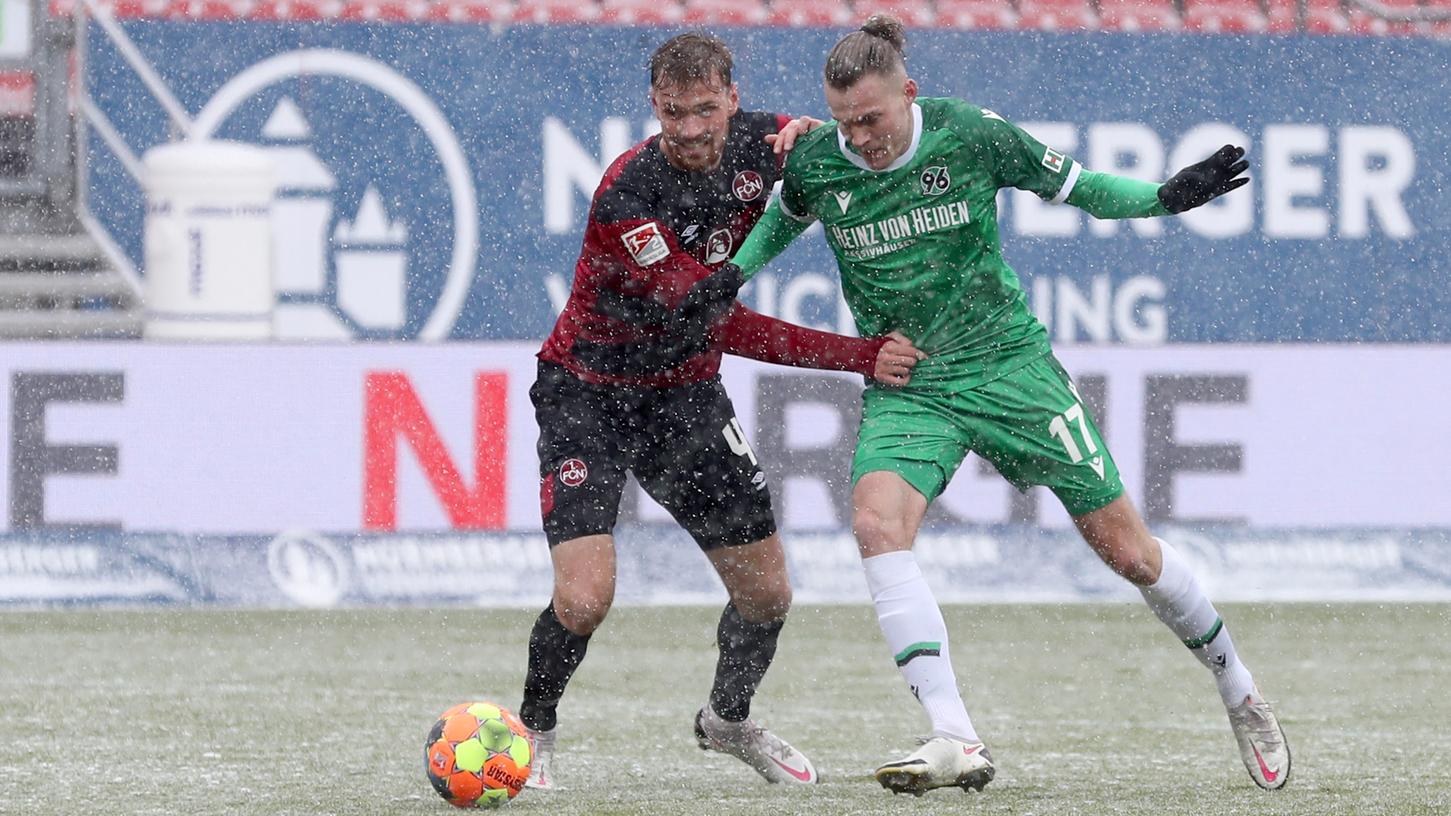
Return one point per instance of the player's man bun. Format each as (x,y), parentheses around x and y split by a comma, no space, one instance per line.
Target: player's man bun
(878,47)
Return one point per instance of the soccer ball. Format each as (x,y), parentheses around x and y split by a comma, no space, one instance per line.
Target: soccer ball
(478,755)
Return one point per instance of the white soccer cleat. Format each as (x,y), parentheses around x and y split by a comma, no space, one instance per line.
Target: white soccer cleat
(541,774)
(941,762)
(1262,743)
(770,756)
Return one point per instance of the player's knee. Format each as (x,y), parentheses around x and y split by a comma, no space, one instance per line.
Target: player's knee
(875,533)
(1133,564)
(770,604)
(582,609)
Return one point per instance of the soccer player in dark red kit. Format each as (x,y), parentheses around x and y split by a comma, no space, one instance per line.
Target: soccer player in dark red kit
(628,382)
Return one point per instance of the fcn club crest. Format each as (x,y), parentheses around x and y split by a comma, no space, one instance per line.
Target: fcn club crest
(573,473)
(748,185)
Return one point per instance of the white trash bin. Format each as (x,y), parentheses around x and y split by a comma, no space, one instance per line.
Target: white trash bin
(208,241)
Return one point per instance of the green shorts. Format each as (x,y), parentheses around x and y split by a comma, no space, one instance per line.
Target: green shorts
(1029,424)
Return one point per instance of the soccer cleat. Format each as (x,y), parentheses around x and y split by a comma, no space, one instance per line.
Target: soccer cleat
(1262,743)
(540,773)
(941,762)
(770,756)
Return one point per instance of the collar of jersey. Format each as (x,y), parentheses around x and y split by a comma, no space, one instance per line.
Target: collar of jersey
(901,161)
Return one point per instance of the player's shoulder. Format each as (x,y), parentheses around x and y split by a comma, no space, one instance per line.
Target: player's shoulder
(630,182)
(759,123)
(957,114)
(813,149)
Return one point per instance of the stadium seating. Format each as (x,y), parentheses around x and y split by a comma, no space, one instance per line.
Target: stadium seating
(724,12)
(640,12)
(1225,16)
(1056,15)
(1138,15)
(809,13)
(990,14)
(912,13)
(555,11)
(1362,22)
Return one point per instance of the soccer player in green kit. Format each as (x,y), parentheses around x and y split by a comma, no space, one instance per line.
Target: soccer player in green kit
(905,188)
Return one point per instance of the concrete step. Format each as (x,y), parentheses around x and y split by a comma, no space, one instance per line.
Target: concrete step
(45,253)
(89,324)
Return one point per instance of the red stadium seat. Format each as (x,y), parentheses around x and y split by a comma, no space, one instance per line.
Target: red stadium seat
(1440,28)
(296,10)
(808,13)
(724,12)
(971,14)
(1323,16)
(1056,15)
(1225,16)
(470,11)
(1138,15)
(556,11)
(640,12)
(1363,22)
(912,13)
(393,11)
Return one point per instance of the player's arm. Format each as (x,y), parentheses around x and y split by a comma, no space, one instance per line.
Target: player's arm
(1104,195)
(745,333)
(769,238)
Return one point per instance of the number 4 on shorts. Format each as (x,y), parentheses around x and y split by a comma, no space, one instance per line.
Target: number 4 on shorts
(736,438)
(1061,430)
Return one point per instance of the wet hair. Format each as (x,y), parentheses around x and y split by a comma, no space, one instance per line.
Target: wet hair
(688,58)
(875,48)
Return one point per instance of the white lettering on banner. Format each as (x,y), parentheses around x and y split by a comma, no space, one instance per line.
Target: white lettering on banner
(50,560)
(571,173)
(1131,312)
(1316,552)
(1365,188)
(1291,186)
(1375,166)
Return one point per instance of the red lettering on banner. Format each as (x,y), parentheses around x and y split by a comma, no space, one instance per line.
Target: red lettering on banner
(392,410)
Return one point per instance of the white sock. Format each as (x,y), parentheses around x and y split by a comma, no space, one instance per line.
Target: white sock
(1178,600)
(917,636)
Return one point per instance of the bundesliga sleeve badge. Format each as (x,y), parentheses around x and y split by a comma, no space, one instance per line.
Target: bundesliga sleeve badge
(646,244)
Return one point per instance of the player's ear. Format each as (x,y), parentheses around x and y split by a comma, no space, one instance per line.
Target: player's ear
(735,98)
(909,89)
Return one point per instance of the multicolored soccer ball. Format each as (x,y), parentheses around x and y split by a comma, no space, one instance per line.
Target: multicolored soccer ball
(478,755)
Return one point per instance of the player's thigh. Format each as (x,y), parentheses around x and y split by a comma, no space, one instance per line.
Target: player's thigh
(694,460)
(1035,430)
(583,456)
(916,436)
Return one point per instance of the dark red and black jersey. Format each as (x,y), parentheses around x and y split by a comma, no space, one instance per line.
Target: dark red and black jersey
(655,231)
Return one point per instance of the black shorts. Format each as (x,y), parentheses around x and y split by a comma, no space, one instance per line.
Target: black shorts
(683,444)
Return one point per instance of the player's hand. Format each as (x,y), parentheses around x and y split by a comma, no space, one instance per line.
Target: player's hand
(796,128)
(1205,181)
(896,359)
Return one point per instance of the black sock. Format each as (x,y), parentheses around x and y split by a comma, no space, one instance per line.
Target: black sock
(554,654)
(746,650)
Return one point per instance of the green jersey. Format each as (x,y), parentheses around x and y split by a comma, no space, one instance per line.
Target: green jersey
(917,243)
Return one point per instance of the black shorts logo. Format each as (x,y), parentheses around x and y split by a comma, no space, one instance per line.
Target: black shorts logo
(573,473)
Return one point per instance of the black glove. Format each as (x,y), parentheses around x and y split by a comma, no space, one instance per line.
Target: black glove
(1205,181)
(706,301)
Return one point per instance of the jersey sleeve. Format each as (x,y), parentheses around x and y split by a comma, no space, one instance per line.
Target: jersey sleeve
(792,194)
(745,333)
(1016,158)
(769,238)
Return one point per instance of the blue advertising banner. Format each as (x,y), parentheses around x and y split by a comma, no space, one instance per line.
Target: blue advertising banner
(435,179)
(660,565)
